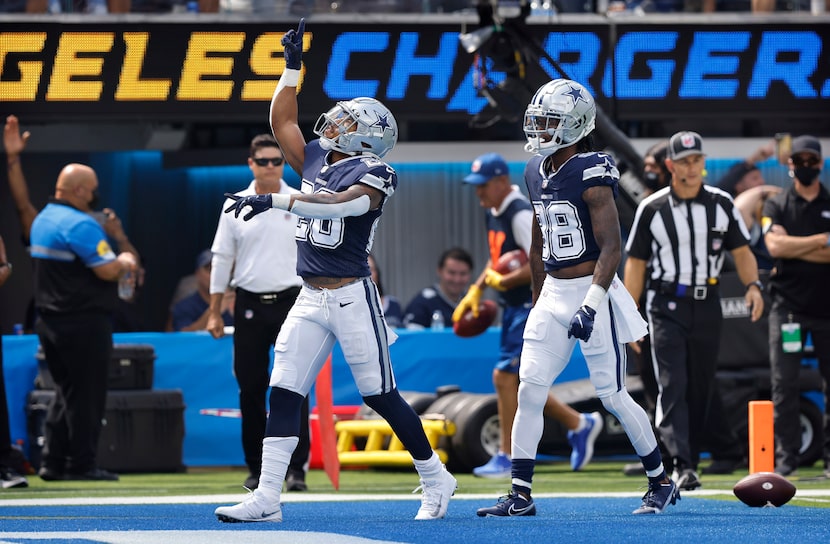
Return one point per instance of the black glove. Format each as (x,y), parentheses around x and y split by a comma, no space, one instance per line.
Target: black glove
(258,204)
(292,44)
(582,323)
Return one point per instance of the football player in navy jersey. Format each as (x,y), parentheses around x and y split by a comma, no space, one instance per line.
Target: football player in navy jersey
(345,184)
(574,254)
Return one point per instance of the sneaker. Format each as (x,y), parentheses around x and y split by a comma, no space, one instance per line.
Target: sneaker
(512,504)
(48,474)
(787,472)
(295,481)
(10,478)
(582,442)
(252,509)
(686,479)
(435,495)
(251,482)
(497,467)
(96,474)
(658,497)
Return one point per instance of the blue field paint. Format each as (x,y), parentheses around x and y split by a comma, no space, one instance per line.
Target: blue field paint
(571,520)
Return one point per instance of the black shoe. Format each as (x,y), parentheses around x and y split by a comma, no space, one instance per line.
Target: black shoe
(295,481)
(720,466)
(786,471)
(97,474)
(50,474)
(251,482)
(9,478)
(686,479)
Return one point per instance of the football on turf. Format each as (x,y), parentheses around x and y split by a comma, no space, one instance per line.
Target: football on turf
(763,489)
(469,326)
(510,261)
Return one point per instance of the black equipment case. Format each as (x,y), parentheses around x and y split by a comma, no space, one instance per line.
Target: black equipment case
(143,430)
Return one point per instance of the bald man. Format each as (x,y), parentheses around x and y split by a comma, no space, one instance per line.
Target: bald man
(76,272)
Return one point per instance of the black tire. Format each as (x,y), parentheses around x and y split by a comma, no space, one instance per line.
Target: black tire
(812,422)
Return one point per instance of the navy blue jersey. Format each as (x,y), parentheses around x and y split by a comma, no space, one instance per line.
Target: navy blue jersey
(502,240)
(419,311)
(339,248)
(564,218)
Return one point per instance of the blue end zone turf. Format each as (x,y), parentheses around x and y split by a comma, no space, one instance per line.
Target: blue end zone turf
(566,520)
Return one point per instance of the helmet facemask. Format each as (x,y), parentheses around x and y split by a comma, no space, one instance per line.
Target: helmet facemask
(360,125)
(560,114)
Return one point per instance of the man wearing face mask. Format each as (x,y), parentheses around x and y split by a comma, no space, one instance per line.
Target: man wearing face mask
(796,225)
(75,278)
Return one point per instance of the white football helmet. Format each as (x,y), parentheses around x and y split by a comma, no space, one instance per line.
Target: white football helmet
(358,125)
(561,113)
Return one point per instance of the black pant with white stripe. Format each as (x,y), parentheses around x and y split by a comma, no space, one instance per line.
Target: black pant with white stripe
(685,336)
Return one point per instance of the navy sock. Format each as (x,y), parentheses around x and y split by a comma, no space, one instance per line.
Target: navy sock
(523,470)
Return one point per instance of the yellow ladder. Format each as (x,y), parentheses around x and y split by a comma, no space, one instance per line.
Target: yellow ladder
(383,448)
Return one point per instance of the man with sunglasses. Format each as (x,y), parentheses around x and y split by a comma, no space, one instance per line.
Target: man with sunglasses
(796,224)
(259,259)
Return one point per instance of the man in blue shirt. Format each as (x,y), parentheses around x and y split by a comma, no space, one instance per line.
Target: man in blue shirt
(76,272)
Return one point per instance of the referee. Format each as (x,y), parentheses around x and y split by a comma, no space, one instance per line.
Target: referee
(681,232)
(258,258)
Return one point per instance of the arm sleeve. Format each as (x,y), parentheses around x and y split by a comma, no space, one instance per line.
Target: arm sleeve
(89,242)
(314,210)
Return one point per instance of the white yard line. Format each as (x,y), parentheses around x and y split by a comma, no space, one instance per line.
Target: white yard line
(817,494)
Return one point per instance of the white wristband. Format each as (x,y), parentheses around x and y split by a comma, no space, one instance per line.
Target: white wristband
(594,296)
(280,201)
(289,78)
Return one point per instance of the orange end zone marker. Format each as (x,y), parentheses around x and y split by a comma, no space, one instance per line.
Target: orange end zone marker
(761,436)
(328,436)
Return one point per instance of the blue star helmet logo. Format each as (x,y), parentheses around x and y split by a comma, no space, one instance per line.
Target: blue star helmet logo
(576,94)
(382,122)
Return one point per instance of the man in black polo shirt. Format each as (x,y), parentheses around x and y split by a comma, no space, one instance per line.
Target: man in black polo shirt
(796,223)
(681,232)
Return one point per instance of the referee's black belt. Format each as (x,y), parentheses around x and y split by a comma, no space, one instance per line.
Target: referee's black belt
(678,290)
(270,298)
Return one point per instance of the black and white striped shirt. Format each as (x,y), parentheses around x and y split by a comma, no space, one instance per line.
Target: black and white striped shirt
(683,240)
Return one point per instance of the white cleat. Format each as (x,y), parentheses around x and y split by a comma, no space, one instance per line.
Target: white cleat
(435,495)
(252,509)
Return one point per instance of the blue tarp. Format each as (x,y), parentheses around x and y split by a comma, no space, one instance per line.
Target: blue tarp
(200,366)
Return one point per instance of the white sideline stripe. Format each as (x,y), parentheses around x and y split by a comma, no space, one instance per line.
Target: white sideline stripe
(191,537)
(344,497)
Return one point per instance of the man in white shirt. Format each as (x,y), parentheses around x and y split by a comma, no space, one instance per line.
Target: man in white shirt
(259,259)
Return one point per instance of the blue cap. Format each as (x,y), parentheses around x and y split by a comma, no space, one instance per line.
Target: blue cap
(204,258)
(485,168)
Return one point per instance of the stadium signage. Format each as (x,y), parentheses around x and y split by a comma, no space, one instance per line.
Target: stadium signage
(127,70)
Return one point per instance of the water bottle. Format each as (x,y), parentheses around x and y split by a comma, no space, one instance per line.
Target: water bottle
(437,321)
(18,328)
(193,7)
(126,287)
